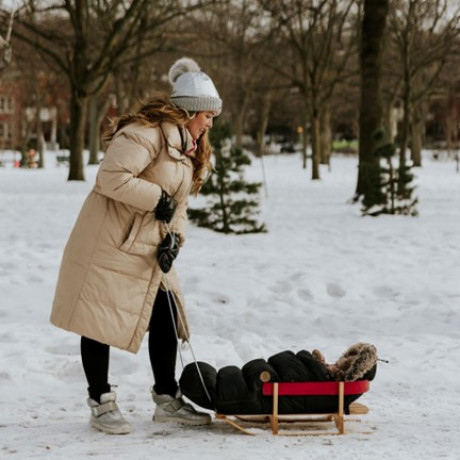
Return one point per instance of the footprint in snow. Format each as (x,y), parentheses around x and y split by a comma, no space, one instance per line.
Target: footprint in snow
(305,294)
(385,292)
(335,290)
(281,287)
(221,298)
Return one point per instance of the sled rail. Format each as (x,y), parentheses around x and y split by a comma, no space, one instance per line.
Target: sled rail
(286,389)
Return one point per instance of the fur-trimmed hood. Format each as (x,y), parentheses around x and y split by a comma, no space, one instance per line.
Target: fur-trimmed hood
(353,364)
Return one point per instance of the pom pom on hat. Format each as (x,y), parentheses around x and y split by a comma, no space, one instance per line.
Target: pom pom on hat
(180,67)
(193,90)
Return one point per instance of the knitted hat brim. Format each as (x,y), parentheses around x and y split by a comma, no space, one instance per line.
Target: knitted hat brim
(198,104)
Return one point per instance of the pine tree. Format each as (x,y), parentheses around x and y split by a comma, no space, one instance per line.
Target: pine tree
(232,202)
(391,190)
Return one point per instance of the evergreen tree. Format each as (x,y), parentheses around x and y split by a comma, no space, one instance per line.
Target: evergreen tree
(390,190)
(232,202)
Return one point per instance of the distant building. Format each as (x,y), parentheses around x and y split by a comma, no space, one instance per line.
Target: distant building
(443,122)
(11,115)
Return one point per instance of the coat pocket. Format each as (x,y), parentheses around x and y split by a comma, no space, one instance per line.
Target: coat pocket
(133,231)
(143,236)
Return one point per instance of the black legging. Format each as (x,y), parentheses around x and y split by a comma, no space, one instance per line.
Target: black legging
(162,352)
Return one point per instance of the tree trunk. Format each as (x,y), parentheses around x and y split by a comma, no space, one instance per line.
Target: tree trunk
(417,143)
(263,123)
(41,149)
(304,135)
(94,134)
(370,115)
(315,146)
(325,134)
(28,129)
(406,123)
(97,113)
(39,132)
(78,109)
(451,123)
(225,217)
(239,120)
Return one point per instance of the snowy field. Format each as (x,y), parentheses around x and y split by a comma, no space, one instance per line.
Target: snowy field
(323,277)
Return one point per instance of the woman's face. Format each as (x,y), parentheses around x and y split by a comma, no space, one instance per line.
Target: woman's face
(201,122)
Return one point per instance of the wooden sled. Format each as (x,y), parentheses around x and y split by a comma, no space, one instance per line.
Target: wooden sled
(309,422)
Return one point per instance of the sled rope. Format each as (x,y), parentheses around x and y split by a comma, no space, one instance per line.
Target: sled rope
(171,301)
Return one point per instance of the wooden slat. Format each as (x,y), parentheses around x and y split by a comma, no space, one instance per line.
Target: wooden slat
(358,409)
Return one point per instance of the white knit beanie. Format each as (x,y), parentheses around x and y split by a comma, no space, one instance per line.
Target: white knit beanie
(193,90)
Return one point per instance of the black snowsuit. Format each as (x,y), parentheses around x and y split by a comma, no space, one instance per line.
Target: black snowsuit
(239,391)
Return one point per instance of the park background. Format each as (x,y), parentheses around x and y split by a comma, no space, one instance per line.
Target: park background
(320,96)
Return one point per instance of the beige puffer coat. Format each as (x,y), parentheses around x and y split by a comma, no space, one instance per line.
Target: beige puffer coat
(109,276)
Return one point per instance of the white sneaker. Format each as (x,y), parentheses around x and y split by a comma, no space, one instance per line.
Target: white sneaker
(169,409)
(106,416)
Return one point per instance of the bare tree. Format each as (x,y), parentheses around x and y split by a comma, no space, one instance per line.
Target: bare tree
(87,40)
(5,41)
(233,54)
(38,86)
(423,33)
(447,95)
(320,37)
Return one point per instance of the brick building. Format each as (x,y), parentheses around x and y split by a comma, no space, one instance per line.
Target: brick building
(11,114)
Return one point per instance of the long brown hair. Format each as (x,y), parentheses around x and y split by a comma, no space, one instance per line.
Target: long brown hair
(159,109)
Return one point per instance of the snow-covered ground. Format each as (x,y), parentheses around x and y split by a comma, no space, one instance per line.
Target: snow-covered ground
(322,277)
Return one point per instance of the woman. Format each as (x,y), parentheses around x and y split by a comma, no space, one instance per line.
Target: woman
(116,279)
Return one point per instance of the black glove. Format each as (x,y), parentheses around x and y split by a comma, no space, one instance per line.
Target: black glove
(168,251)
(165,208)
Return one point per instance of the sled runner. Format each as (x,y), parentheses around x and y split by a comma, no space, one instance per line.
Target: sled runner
(308,421)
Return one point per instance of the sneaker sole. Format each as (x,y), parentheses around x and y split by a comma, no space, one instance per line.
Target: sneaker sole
(173,419)
(108,430)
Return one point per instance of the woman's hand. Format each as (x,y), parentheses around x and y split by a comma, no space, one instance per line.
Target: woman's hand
(168,251)
(165,208)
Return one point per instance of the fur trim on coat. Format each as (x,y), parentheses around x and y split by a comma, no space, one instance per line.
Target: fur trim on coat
(353,364)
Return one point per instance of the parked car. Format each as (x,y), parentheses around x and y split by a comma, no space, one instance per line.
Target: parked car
(287,147)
